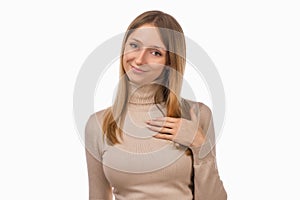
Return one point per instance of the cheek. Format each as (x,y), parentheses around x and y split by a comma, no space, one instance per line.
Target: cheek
(158,65)
(157,71)
(159,68)
(124,62)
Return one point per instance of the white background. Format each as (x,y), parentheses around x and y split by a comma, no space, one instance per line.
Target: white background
(254,45)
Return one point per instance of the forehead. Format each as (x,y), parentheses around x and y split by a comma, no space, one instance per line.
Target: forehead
(148,35)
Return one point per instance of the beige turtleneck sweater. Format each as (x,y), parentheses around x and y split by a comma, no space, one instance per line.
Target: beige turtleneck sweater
(144,167)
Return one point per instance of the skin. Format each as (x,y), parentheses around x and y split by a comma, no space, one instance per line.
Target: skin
(144,55)
(144,60)
(168,127)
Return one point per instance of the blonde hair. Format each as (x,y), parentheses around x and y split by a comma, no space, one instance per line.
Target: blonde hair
(173,38)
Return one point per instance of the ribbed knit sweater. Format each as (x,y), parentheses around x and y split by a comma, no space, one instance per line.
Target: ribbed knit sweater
(144,167)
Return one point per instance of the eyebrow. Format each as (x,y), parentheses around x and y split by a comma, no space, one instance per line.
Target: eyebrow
(152,46)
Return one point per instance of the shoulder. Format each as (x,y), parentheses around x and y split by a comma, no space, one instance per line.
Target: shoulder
(97,117)
(93,133)
(202,110)
(93,124)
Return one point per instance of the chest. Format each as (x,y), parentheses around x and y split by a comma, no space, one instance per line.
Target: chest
(142,160)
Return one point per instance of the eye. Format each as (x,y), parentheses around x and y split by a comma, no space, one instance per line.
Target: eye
(156,53)
(133,45)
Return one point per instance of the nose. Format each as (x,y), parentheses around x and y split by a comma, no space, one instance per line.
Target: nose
(141,57)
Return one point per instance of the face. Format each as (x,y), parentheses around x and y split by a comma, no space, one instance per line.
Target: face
(144,55)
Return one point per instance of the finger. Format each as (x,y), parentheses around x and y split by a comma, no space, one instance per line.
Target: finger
(160,129)
(161,124)
(167,119)
(164,136)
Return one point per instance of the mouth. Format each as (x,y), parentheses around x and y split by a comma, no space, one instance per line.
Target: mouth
(137,70)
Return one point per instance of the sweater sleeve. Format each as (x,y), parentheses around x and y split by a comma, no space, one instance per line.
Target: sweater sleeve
(207,183)
(99,187)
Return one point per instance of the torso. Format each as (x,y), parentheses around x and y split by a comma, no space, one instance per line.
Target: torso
(143,167)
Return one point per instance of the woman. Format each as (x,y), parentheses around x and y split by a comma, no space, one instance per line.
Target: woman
(151,143)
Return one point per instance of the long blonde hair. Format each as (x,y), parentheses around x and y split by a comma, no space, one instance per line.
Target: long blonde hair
(173,38)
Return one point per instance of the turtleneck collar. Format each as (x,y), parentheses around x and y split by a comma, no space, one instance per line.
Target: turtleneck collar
(142,94)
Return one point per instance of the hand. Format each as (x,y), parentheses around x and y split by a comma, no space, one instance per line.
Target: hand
(183,131)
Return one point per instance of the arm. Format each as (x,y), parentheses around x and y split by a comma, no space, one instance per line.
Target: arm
(99,187)
(207,183)
(198,135)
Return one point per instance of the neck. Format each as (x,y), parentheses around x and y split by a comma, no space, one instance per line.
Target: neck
(142,94)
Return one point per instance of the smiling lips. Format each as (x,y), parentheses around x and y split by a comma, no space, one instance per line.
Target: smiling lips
(137,70)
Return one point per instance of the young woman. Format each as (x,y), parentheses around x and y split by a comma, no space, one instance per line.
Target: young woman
(151,143)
